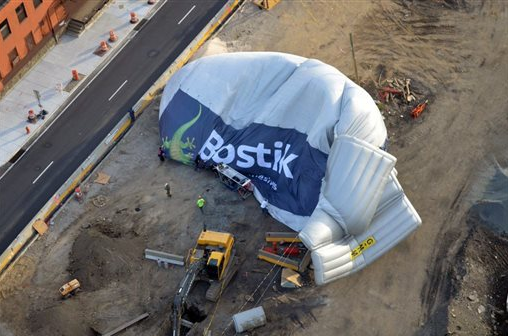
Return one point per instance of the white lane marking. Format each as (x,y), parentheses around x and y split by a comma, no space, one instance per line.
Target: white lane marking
(114,93)
(187,14)
(38,177)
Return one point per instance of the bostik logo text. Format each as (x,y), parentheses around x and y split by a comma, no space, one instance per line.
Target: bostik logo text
(215,149)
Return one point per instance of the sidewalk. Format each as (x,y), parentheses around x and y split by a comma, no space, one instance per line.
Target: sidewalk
(52,76)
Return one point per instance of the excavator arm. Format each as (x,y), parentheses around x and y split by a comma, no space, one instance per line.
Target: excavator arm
(183,291)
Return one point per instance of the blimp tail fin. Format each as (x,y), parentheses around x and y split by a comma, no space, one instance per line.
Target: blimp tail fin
(351,254)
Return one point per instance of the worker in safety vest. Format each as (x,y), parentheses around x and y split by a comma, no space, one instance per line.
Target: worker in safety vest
(200,203)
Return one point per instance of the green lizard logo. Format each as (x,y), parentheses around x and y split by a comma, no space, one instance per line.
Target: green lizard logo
(175,146)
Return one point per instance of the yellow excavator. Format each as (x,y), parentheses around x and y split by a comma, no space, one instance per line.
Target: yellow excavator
(212,260)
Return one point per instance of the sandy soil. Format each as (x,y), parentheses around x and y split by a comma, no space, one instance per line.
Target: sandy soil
(450,277)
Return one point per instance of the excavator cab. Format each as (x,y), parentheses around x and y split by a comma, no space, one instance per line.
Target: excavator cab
(215,250)
(215,265)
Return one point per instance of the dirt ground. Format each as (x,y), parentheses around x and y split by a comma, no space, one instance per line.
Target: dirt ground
(448,278)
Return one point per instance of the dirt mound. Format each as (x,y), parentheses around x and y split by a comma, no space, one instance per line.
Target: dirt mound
(59,319)
(99,257)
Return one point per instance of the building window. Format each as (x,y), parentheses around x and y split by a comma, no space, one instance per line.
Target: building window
(5,29)
(29,40)
(14,57)
(21,12)
(37,3)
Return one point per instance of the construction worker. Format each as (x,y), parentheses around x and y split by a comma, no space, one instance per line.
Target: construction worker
(167,187)
(200,203)
(264,208)
(197,162)
(79,194)
(160,153)
(32,118)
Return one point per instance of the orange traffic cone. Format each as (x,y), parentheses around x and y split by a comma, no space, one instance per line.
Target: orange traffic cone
(27,129)
(103,46)
(112,36)
(75,75)
(134,17)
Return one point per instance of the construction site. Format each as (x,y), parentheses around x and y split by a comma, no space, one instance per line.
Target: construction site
(142,229)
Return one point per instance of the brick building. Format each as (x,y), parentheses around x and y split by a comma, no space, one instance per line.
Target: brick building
(25,26)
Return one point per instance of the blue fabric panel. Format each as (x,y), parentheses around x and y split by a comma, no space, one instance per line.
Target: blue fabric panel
(280,162)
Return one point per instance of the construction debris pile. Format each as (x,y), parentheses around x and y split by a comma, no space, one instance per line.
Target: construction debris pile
(398,94)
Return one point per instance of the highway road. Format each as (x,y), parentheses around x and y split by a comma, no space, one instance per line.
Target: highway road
(50,161)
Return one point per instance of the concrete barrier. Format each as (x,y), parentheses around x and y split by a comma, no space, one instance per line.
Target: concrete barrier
(28,235)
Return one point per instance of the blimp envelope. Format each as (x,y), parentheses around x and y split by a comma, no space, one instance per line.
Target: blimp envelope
(271,116)
(309,138)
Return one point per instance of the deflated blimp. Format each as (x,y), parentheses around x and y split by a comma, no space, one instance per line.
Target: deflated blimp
(311,141)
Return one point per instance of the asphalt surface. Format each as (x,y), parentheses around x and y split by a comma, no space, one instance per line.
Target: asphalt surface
(39,173)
